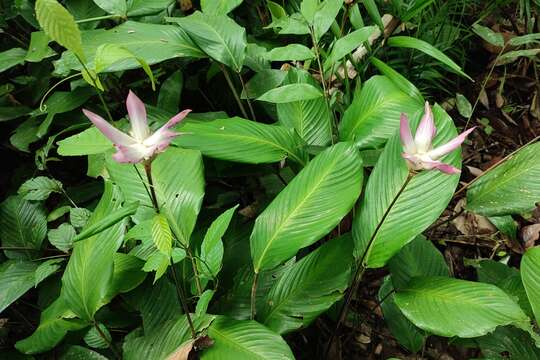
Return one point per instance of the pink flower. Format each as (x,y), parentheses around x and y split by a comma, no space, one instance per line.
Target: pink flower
(140,144)
(419,152)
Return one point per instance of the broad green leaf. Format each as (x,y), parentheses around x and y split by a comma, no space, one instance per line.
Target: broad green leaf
(78,217)
(311,205)
(211,256)
(511,56)
(464,106)
(524,39)
(293,24)
(164,341)
(309,287)
(145,7)
(151,42)
(11,57)
(291,52)
(373,116)
(54,324)
(418,258)
(488,35)
(308,8)
(161,234)
(262,82)
(244,340)
(506,225)
(311,119)
(39,188)
(451,307)
(219,7)
(62,237)
(405,332)
(399,80)
(94,339)
(530,275)
(325,16)
(202,303)
(389,225)
(255,58)
(46,269)
(79,352)
(16,278)
(241,140)
(510,188)
(373,12)
(348,43)
(90,141)
(290,93)
(170,92)
(428,49)
(114,7)
(218,36)
(59,25)
(13,112)
(158,262)
(179,184)
(107,221)
(23,226)
(58,213)
(510,343)
(82,9)
(89,271)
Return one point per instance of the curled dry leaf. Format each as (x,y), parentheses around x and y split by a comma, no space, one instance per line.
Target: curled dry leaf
(469,223)
(530,235)
(182,353)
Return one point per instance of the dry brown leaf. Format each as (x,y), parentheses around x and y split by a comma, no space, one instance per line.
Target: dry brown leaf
(471,224)
(183,351)
(530,235)
(483,98)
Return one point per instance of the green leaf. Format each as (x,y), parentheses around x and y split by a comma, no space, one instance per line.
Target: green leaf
(78,217)
(107,221)
(39,188)
(219,7)
(262,82)
(405,332)
(241,140)
(54,323)
(114,7)
(11,57)
(16,278)
(510,188)
(506,225)
(310,118)
(144,7)
(418,258)
(62,237)
(524,39)
(309,287)
(451,307)
(293,24)
(530,275)
(82,353)
(464,106)
(428,49)
(489,35)
(291,52)
(511,56)
(508,342)
(90,141)
(161,234)
(94,339)
(204,300)
(373,116)
(244,339)
(325,16)
(13,112)
(311,205)
(399,80)
(90,268)
(151,42)
(389,225)
(59,25)
(23,224)
(127,275)
(308,8)
(218,36)
(290,93)
(179,185)
(171,92)
(348,43)
(211,256)
(46,269)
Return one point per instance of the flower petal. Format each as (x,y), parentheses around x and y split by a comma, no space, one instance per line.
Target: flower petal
(447,169)
(449,146)
(425,131)
(163,136)
(137,117)
(176,119)
(130,154)
(112,133)
(405,134)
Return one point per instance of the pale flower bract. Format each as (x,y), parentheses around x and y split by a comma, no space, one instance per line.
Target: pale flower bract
(140,144)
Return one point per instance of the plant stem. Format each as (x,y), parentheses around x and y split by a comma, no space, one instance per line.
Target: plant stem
(195,271)
(233,89)
(361,267)
(109,342)
(181,298)
(247,98)
(153,197)
(105,17)
(254,296)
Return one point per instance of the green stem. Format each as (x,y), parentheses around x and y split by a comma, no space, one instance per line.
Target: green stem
(254,296)
(153,197)
(104,17)
(233,89)
(195,271)
(247,98)
(181,298)
(94,80)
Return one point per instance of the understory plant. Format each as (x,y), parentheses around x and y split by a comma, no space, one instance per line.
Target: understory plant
(223,231)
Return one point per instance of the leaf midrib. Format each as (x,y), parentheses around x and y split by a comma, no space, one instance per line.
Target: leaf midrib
(236,344)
